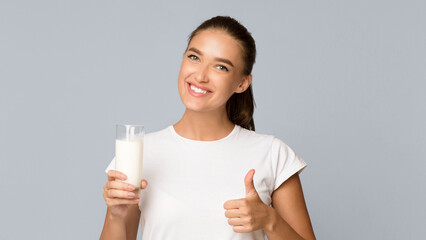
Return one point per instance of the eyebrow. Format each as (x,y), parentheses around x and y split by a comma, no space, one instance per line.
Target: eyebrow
(224,60)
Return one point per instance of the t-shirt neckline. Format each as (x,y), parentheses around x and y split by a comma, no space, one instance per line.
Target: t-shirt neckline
(232,133)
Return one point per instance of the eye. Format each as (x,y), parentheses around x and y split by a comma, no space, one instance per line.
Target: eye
(223,68)
(193,57)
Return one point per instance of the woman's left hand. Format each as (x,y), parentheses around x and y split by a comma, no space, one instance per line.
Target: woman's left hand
(250,213)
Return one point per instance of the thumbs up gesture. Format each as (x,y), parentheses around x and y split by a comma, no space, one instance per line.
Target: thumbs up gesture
(250,213)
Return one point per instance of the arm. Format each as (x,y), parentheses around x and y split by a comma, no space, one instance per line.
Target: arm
(116,228)
(289,215)
(122,217)
(287,219)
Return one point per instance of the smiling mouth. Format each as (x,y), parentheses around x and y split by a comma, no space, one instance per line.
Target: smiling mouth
(198,90)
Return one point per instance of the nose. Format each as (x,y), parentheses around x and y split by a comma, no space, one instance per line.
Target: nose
(201,74)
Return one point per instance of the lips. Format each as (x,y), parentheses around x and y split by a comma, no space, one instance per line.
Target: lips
(196,91)
(200,87)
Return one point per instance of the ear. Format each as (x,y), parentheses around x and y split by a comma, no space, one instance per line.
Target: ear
(244,84)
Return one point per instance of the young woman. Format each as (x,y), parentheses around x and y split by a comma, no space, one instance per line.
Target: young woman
(210,175)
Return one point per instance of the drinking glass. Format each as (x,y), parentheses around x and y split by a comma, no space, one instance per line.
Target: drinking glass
(129,152)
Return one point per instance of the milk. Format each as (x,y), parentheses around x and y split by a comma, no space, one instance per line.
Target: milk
(128,159)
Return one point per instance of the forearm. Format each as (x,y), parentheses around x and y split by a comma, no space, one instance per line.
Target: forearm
(279,229)
(114,228)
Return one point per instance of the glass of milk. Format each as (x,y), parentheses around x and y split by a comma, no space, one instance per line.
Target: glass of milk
(129,152)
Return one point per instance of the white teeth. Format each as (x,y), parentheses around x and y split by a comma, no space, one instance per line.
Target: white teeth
(197,90)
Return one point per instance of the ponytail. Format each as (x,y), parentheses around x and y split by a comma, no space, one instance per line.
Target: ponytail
(240,108)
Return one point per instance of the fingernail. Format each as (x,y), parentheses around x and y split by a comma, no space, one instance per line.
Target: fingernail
(131,188)
(131,194)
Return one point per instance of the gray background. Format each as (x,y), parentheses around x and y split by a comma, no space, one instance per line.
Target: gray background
(341,82)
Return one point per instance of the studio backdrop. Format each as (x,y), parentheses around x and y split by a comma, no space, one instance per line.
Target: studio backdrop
(341,82)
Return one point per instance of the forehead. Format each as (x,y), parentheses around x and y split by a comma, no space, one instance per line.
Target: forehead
(217,43)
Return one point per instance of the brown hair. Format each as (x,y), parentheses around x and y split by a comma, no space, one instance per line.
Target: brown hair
(240,106)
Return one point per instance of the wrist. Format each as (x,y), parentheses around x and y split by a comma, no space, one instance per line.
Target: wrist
(272,220)
(115,218)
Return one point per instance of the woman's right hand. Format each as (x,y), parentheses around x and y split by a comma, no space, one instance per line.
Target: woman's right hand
(119,196)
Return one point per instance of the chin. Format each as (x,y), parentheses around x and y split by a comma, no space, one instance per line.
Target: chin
(200,105)
(202,108)
(196,108)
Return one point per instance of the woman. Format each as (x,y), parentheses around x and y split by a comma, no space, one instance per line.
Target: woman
(202,169)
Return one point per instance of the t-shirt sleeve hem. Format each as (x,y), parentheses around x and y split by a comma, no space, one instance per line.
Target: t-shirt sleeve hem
(297,168)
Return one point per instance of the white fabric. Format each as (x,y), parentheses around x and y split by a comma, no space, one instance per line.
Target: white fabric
(189,181)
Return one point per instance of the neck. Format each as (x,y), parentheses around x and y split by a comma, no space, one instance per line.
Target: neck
(204,126)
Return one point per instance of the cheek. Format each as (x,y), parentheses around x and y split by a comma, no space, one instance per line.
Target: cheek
(181,85)
(232,84)
(227,88)
(183,73)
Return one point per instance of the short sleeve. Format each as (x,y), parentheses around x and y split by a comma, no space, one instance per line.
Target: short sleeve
(285,162)
(111,165)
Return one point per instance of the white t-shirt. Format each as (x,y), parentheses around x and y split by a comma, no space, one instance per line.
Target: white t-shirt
(189,181)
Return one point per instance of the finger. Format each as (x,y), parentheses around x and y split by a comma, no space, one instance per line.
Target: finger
(117,201)
(143,184)
(248,182)
(235,222)
(234,204)
(120,185)
(233,213)
(113,174)
(242,229)
(113,193)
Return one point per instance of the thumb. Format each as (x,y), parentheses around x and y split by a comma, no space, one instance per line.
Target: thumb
(248,181)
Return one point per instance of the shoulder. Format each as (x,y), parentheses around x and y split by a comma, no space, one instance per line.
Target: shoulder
(159,135)
(274,143)
(249,134)
(245,134)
